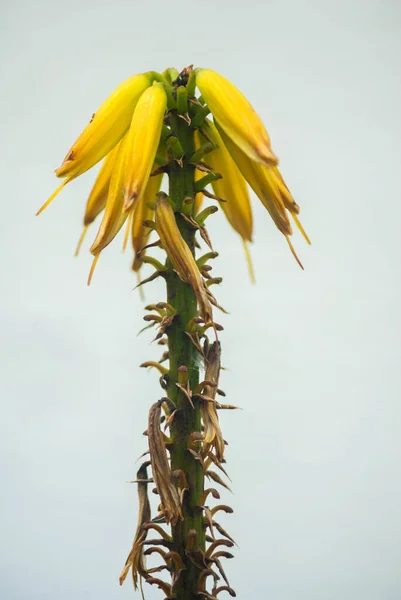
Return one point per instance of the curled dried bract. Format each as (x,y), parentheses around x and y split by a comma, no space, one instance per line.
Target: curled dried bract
(168,492)
(213,436)
(135,559)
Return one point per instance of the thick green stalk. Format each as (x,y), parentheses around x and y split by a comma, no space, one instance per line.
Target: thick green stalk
(183,353)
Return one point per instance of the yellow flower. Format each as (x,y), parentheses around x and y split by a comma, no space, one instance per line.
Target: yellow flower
(288,200)
(143,141)
(262,183)
(268,185)
(103,132)
(143,212)
(106,128)
(180,255)
(231,187)
(236,116)
(132,130)
(114,216)
(98,196)
(270,188)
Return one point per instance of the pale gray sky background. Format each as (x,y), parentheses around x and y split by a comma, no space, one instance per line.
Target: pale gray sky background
(313,357)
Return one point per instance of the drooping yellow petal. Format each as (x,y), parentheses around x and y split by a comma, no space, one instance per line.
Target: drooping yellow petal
(249,262)
(114,216)
(143,212)
(293,251)
(128,229)
(98,195)
(81,239)
(289,202)
(180,255)
(236,116)
(231,187)
(301,229)
(143,142)
(54,194)
(93,267)
(264,183)
(106,128)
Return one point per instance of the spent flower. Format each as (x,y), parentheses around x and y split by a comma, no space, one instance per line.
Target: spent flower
(180,254)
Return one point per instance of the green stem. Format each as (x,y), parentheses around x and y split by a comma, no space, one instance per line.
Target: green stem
(183,353)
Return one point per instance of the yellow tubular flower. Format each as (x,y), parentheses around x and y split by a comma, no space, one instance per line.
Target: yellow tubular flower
(114,216)
(236,116)
(143,142)
(104,131)
(98,196)
(106,128)
(288,200)
(143,212)
(231,187)
(263,181)
(180,255)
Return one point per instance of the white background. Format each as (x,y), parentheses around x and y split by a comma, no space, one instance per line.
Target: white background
(313,357)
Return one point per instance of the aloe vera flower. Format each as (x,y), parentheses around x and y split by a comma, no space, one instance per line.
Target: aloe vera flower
(236,116)
(198,131)
(128,131)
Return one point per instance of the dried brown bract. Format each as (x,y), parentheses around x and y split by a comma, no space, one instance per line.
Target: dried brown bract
(167,490)
(135,560)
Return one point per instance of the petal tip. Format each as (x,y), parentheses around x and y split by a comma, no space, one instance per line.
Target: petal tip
(92,269)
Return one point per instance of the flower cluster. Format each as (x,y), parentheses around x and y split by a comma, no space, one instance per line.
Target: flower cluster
(131,132)
(210,144)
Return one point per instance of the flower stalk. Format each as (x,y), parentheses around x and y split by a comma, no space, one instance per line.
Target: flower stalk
(153,126)
(184,372)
